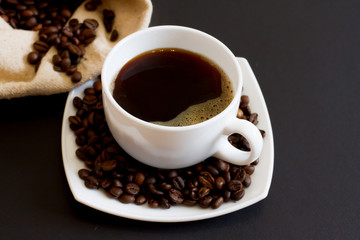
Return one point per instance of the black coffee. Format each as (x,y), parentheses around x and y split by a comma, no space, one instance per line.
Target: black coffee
(172,87)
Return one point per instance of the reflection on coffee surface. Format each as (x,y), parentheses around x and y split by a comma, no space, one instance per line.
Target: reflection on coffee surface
(172,87)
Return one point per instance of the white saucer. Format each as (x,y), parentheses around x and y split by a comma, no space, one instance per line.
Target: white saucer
(258,190)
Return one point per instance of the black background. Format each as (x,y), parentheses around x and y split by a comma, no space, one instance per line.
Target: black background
(305,55)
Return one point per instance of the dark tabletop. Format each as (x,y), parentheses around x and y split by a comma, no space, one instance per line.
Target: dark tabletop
(305,55)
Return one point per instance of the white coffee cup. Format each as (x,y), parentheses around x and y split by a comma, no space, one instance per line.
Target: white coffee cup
(178,147)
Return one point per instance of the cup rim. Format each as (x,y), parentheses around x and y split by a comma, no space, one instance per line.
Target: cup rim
(108,94)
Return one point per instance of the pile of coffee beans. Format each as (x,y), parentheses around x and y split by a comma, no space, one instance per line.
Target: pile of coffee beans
(70,44)
(208,184)
(49,18)
(36,14)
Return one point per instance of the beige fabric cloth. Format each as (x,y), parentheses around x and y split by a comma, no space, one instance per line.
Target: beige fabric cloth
(18,78)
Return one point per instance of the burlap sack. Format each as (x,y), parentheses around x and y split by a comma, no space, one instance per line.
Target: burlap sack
(18,78)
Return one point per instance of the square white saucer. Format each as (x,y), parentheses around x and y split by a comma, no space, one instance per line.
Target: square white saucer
(258,190)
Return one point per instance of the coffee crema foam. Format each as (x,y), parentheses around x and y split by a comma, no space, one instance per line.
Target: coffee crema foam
(204,111)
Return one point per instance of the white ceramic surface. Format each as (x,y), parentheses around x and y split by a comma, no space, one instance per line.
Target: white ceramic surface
(258,190)
(178,147)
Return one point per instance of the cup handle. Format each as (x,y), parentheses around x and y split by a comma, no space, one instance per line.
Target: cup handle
(229,153)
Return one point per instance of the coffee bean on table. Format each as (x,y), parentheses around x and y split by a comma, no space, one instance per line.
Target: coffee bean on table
(208,184)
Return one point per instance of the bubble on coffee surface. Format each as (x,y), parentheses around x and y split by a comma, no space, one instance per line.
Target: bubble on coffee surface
(204,111)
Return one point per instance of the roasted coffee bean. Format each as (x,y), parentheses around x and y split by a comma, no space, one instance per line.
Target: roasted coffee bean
(204,191)
(5,17)
(74,50)
(73,22)
(221,165)
(26,13)
(57,68)
(263,133)
(154,190)
(176,196)
(227,177)
(236,196)
(178,183)
(247,181)
(91,182)
(239,174)
(108,19)
(164,203)
(41,46)
(53,39)
(153,203)
(33,58)
(66,13)
(199,167)
(240,114)
(206,179)
(166,186)
(80,154)
(253,118)
(70,71)
(76,77)
(105,183)
(97,86)
(92,5)
(31,22)
(150,180)
(132,188)
(234,185)
(139,178)
(114,35)
(140,200)
(220,182)
(205,202)
(108,14)
(127,198)
(115,192)
(216,203)
(256,162)
(75,120)
(90,91)
(84,173)
(227,195)
(249,169)
(12,2)
(189,202)
(13,22)
(117,183)
(65,53)
(212,170)
(172,174)
(65,63)
(108,165)
(87,33)
(66,31)
(91,23)
(244,100)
